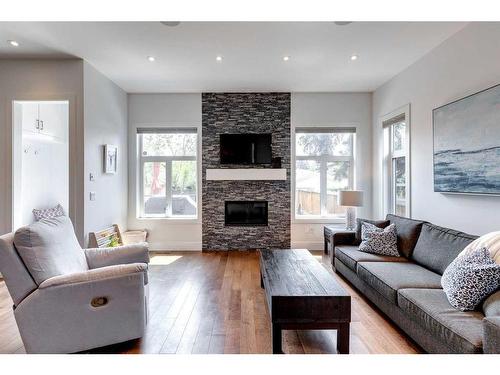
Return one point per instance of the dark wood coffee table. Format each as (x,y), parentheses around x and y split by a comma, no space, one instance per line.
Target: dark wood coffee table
(301,294)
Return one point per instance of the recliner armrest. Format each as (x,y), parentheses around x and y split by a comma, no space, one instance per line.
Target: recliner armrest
(108,256)
(97,274)
(491,335)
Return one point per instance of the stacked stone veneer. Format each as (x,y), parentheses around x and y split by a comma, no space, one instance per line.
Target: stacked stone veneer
(245,113)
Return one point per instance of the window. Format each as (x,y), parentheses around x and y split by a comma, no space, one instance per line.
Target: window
(396,128)
(168,172)
(324,164)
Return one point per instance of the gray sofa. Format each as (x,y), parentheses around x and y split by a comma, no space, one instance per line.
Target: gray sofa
(408,288)
(67,299)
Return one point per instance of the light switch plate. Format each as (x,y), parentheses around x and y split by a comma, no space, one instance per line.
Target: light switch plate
(92,195)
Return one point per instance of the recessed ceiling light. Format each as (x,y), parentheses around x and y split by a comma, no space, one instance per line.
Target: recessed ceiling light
(354,57)
(218,58)
(286,58)
(170,23)
(13,43)
(151,58)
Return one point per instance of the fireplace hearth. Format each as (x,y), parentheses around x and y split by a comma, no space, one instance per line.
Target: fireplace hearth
(245,213)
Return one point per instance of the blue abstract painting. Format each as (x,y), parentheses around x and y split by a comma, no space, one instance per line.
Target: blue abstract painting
(467,144)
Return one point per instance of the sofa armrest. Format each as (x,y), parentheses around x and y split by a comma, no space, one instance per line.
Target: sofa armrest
(491,335)
(108,256)
(343,238)
(93,275)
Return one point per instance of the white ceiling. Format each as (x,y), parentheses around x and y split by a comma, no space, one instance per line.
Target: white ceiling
(252,52)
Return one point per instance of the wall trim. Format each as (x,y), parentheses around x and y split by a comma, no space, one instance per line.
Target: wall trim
(174,246)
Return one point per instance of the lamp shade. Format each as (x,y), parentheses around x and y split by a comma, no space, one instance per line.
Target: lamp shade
(351,198)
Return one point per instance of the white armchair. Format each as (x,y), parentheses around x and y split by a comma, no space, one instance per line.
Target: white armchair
(67,299)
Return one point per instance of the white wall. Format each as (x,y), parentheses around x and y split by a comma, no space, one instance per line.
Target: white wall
(105,123)
(163,110)
(465,63)
(41,80)
(335,109)
(308,109)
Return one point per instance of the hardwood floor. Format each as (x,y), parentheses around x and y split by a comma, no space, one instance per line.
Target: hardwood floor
(213,303)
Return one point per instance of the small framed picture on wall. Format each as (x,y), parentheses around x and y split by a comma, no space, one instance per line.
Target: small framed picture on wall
(110,159)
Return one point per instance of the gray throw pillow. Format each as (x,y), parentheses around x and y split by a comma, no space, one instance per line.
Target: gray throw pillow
(49,248)
(470,279)
(379,241)
(47,213)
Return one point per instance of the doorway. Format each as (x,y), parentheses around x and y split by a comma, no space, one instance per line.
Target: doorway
(40,158)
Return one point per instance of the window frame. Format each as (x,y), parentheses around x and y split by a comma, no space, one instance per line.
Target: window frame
(323,161)
(168,160)
(390,155)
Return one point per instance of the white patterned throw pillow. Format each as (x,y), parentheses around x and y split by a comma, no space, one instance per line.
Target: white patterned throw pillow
(491,241)
(48,213)
(470,279)
(382,241)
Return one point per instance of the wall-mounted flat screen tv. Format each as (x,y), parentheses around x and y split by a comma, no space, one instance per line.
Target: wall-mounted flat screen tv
(245,149)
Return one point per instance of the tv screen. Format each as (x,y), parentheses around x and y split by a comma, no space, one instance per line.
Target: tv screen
(245,149)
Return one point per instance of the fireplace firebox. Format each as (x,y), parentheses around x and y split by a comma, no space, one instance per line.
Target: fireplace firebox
(245,213)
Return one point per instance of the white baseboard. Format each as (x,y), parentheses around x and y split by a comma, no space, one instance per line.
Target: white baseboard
(309,245)
(196,246)
(175,246)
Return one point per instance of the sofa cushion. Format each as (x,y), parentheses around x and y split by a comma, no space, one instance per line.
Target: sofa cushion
(462,331)
(350,256)
(388,278)
(377,223)
(49,248)
(408,231)
(491,305)
(437,247)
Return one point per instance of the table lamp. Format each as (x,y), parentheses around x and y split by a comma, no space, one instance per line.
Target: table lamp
(351,199)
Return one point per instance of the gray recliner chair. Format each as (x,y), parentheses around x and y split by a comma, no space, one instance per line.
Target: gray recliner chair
(67,299)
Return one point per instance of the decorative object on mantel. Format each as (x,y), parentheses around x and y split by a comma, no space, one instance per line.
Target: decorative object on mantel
(276,162)
(351,199)
(467,144)
(110,159)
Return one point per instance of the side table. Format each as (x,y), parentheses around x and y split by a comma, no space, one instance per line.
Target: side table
(329,232)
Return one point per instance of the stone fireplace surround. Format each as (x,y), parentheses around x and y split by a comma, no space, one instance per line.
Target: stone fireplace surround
(245,113)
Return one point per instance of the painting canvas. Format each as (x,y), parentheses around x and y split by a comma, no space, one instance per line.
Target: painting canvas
(467,144)
(110,158)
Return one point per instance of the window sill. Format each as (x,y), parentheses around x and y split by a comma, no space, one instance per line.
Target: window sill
(172,220)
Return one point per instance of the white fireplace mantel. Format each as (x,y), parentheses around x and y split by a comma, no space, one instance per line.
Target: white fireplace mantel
(231,174)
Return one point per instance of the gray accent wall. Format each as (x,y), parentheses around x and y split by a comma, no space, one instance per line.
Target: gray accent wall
(245,113)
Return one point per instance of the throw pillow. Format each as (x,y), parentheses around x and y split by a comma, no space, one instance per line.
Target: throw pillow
(377,223)
(491,241)
(48,213)
(471,278)
(379,241)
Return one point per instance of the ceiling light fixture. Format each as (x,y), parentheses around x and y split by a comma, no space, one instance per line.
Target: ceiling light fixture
(354,57)
(151,58)
(170,23)
(218,58)
(286,58)
(13,43)
(342,23)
